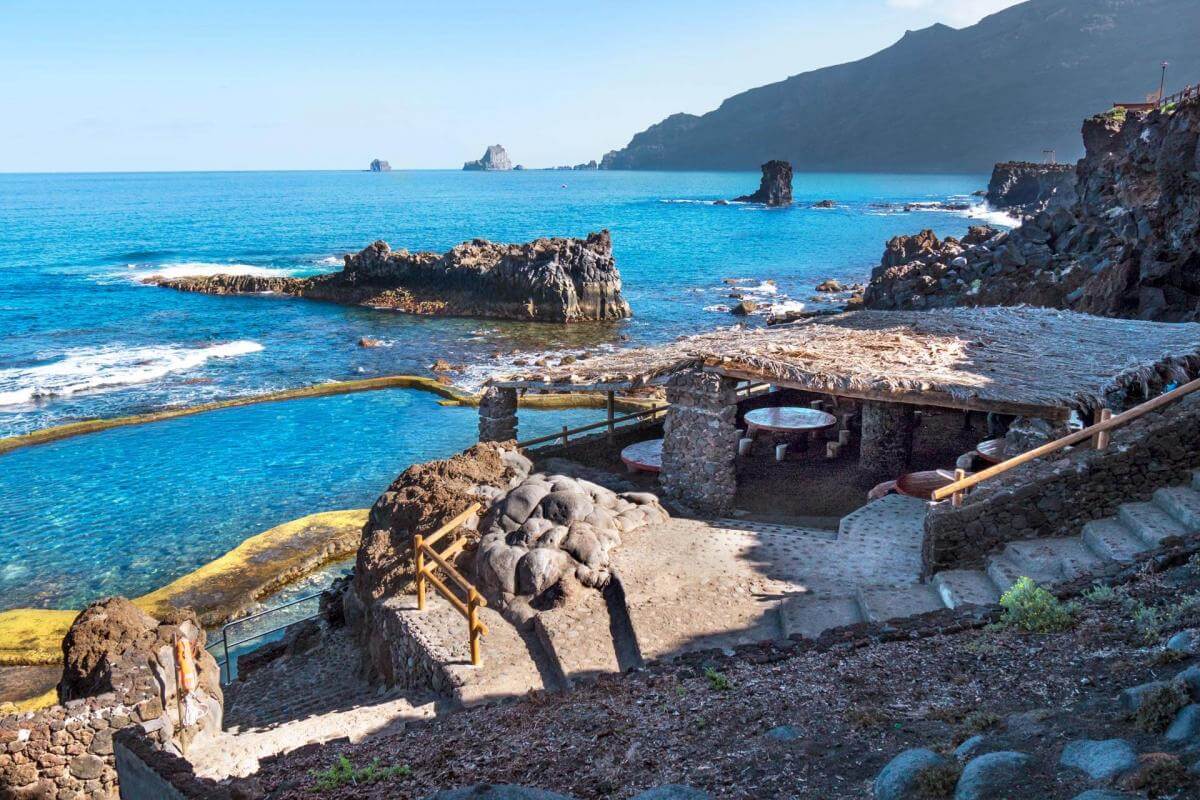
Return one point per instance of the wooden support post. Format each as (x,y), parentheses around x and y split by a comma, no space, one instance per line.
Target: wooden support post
(419,553)
(1102,438)
(566,432)
(956,499)
(610,404)
(473,625)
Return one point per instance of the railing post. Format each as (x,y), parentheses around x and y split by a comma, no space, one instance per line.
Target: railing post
(610,404)
(419,553)
(956,499)
(225,642)
(473,625)
(1100,442)
(566,432)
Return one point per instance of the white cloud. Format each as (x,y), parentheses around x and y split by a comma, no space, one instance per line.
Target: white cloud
(953,12)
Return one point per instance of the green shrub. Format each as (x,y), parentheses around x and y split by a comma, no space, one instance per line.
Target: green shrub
(1160,705)
(939,781)
(1031,608)
(717,680)
(344,773)
(1100,595)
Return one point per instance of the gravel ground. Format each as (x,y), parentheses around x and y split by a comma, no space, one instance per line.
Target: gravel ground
(850,712)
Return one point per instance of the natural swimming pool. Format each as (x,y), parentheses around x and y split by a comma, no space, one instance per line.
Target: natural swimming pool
(128,510)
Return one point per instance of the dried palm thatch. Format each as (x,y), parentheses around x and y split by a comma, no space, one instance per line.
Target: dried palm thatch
(1013,359)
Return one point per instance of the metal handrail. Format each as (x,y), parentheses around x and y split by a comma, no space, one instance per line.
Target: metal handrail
(1099,431)
(226,643)
(566,432)
(469,609)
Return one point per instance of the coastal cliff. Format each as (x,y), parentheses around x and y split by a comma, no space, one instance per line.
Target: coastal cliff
(1128,246)
(546,280)
(1026,188)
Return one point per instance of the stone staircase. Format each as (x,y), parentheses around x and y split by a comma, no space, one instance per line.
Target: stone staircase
(1136,528)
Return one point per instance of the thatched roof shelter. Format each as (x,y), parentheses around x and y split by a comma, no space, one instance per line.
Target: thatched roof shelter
(1018,360)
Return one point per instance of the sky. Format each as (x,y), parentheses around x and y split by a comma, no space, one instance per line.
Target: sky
(124,85)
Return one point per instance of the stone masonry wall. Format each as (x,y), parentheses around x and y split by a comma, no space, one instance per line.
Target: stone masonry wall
(1058,497)
(887,437)
(498,415)
(700,441)
(407,656)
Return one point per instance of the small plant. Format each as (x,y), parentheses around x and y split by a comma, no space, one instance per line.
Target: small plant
(1118,113)
(1100,595)
(344,773)
(1031,608)
(717,680)
(979,721)
(1161,775)
(1160,705)
(938,781)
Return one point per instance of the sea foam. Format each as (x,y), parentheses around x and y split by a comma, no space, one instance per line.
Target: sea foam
(202,269)
(97,369)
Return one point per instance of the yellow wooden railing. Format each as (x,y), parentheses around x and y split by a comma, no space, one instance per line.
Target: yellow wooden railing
(1099,434)
(422,550)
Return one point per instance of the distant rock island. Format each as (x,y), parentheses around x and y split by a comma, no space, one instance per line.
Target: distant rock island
(943,100)
(378,165)
(546,280)
(775,188)
(1026,188)
(495,159)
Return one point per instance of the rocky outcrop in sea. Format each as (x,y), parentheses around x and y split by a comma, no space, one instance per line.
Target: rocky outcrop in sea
(379,165)
(775,188)
(494,159)
(1128,246)
(546,280)
(1026,188)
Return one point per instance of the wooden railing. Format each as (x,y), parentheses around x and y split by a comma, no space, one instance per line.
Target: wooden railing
(1187,93)
(565,435)
(1099,434)
(422,550)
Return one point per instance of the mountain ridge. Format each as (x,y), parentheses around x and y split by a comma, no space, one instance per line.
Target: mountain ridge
(941,98)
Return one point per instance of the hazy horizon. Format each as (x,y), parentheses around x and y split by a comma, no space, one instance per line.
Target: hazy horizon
(133,87)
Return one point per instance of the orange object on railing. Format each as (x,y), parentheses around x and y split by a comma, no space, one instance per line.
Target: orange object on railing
(185,666)
(1100,431)
(422,549)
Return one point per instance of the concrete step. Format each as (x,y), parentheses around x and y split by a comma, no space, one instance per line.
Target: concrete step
(1054,559)
(1150,522)
(1005,573)
(1112,539)
(895,517)
(959,587)
(1183,503)
(812,616)
(878,605)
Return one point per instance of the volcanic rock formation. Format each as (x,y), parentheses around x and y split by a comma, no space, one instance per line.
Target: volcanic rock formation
(1027,188)
(775,188)
(547,280)
(1129,246)
(378,165)
(495,159)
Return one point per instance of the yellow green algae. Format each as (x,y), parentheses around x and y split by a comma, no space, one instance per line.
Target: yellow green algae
(259,566)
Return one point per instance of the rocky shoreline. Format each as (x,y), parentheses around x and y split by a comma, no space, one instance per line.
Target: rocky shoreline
(1128,245)
(546,280)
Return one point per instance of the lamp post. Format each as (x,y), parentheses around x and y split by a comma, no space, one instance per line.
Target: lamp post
(1162,84)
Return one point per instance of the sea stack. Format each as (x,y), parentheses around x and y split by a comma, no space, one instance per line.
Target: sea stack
(379,165)
(495,159)
(775,189)
(1027,188)
(546,280)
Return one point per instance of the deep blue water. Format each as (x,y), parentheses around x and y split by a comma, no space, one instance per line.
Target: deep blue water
(125,510)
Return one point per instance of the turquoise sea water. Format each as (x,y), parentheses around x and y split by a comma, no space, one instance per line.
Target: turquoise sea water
(125,510)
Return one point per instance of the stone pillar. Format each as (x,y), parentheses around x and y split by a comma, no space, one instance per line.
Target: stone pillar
(887,437)
(498,415)
(700,441)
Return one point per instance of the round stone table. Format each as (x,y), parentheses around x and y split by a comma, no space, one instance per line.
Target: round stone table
(788,419)
(991,451)
(644,456)
(923,484)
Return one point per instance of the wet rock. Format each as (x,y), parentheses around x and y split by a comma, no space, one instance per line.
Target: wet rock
(775,188)
(824,204)
(898,780)
(1100,760)
(744,308)
(367,341)
(992,776)
(830,285)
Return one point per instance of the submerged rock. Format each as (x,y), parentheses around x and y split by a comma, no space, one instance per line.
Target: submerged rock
(775,189)
(546,280)
(494,159)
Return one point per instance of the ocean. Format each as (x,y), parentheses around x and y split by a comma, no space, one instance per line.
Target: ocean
(127,510)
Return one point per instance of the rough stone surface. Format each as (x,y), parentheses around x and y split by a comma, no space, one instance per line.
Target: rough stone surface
(484,791)
(498,415)
(1028,188)
(1101,760)
(494,159)
(546,280)
(1186,642)
(1185,729)
(971,747)
(672,791)
(775,189)
(887,436)
(991,776)
(1064,494)
(898,780)
(1127,246)
(700,441)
